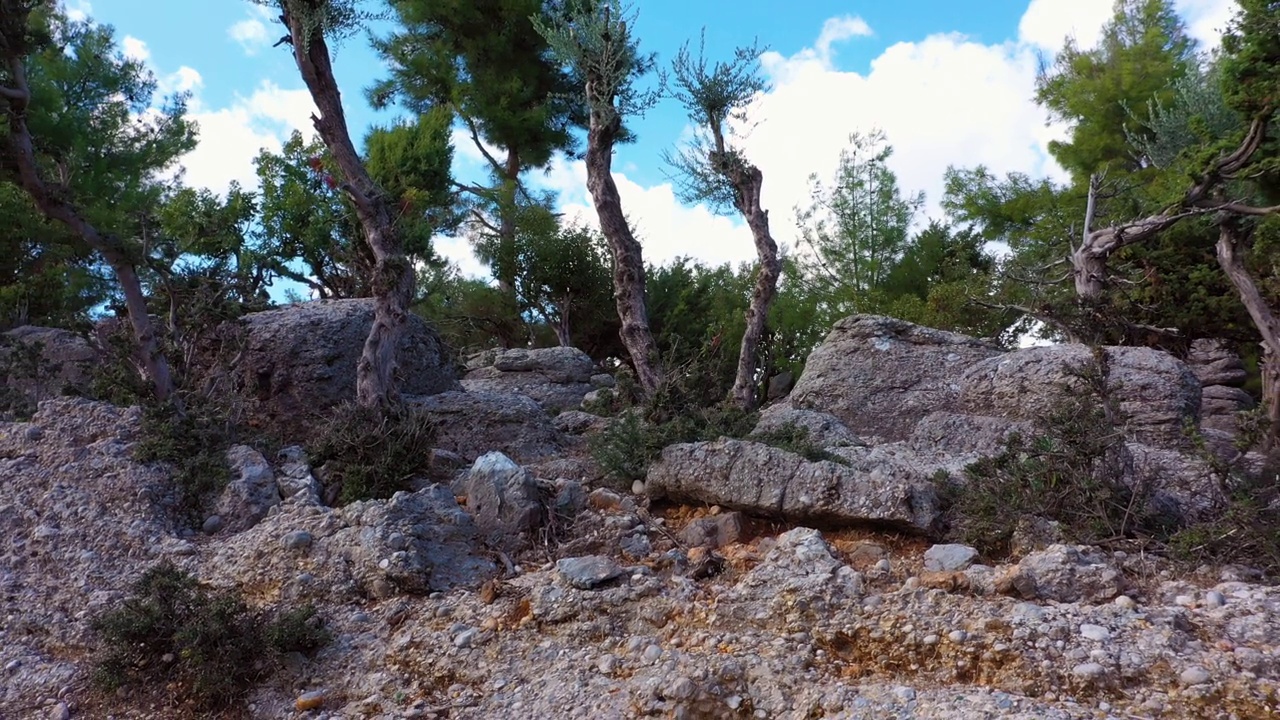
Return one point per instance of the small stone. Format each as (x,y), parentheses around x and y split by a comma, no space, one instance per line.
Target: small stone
(957,636)
(905,694)
(466,638)
(1089,671)
(883,565)
(297,540)
(638,487)
(212,524)
(682,689)
(1095,632)
(168,658)
(1194,675)
(1125,602)
(607,664)
(1184,600)
(589,571)
(309,700)
(940,558)
(1214,599)
(651,654)
(13,665)
(60,712)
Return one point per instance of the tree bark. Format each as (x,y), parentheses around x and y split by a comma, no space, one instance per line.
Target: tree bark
(393,278)
(21,153)
(747,181)
(1231,247)
(628,260)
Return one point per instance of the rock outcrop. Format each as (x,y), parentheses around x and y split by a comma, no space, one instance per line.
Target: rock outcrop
(39,363)
(474,423)
(1222,376)
(557,378)
(292,363)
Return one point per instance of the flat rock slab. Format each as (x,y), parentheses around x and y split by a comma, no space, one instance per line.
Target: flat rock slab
(588,572)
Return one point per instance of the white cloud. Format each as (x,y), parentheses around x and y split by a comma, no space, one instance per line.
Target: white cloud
(1046,23)
(231,137)
(1207,19)
(184,79)
(251,32)
(135,49)
(79,11)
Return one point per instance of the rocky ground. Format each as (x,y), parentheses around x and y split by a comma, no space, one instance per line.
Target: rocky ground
(609,607)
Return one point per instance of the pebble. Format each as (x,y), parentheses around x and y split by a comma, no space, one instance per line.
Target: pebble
(682,689)
(607,664)
(1095,632)
(1194,676)
(1125,602)
(60,712)
(957,636)
(297,540)
(13,665)
(466,638)
(1214,599)
(587,572)
(651,654)
(1089,670)
(309,700)
(212,524)
(903,693)
(883,565)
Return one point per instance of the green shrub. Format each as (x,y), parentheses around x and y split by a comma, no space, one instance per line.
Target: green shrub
(299,630)
(208,648)
(1073,472)
(194,442)
(369,453)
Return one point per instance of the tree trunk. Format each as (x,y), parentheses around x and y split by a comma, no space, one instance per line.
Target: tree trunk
(747,181)
(628,261)
(1231,240)
(21,152)
(393,278)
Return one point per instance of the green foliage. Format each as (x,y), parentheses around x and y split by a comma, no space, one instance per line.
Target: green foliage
(412,162)
(470,314)
(372,453)
(1071,472)
(194,443)
(1251,58)
(206,648)
(298,630)
(24,374)
(686,408)
(1143,50)
(1245,531)
(564,277)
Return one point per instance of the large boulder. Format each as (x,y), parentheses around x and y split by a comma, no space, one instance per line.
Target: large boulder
(1156,394)
(880,376)
(877,487)
(294,362)
(505,499)
(474,423)
(39,363)
(557,378)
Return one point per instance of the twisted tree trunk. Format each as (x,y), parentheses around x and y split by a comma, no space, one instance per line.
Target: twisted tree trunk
(747,181)
(22,157)
(1231,248)
(393,278)
(628,260)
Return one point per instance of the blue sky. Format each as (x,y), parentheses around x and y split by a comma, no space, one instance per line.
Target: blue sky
(949,81)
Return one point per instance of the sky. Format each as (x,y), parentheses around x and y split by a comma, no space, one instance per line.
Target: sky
(950,82)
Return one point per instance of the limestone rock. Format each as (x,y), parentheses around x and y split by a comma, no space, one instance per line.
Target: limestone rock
(761,479)
(252,491)
(824,429)
(1064,573)
(474,423)
(504,498)
(41,363)
(557,378)
(713,531)
(880,376)
(943,558)
(299,360)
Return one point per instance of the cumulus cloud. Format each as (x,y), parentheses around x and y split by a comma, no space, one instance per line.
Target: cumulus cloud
(135,49)
(251,32)
(79,11)
(231,137)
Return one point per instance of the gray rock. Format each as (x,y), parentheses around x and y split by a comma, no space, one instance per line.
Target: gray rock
(1156,393)
(1089,671)
(64,363)
(1214,362)
(880,376)
(760,479)
(576,422)
(252,491)
(965,435)
(417,543)
(505,499)
(1194,676)
(603,380)
(60,711)
(474,423)
(949,557)
(300,360)
(556,378)
(824,429)
(799,571)
(212,525)
(1032,533)
(780,385)
(588,572)
(1097,633)
(636,546)
(713,531)
(294,478)
(296,540)
(1067,573)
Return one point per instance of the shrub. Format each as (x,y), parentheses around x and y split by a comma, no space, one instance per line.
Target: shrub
(194,442)
(208,647)
(369,453)
(1073,472)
